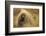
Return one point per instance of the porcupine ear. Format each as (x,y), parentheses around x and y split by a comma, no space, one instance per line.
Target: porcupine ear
(16,11)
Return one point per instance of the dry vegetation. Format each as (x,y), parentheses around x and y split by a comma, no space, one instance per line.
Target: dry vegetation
(26,17)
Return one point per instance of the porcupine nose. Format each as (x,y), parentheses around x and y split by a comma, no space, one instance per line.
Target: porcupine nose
(21,20)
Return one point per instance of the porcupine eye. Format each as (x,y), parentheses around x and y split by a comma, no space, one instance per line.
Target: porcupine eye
(22,17)
(21,20)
